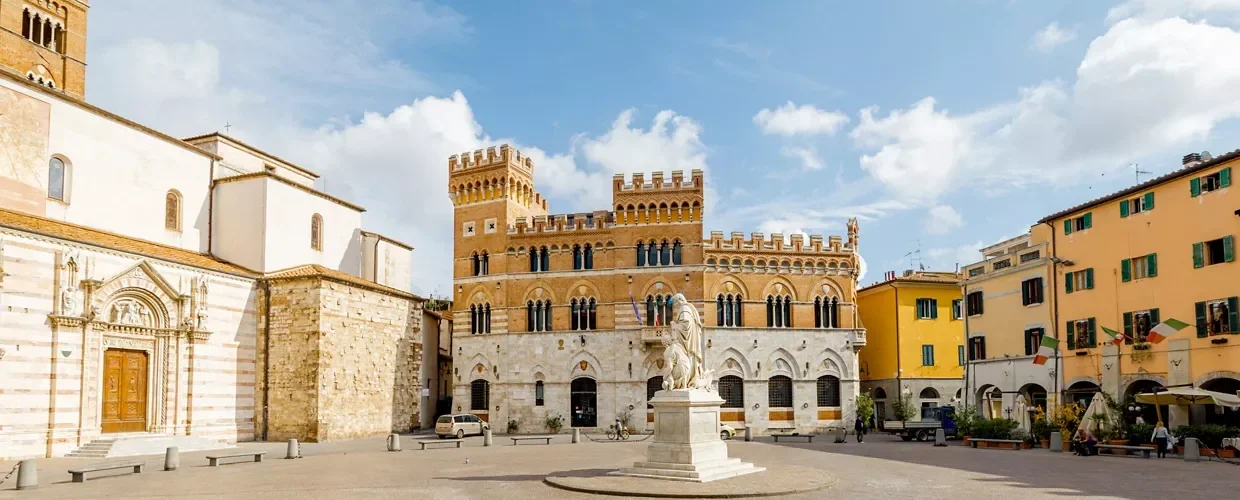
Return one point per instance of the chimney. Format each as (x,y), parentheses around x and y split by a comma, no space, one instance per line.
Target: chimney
(1192,159)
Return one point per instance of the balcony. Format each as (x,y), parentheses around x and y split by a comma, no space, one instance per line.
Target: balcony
(857,339)
(654,334)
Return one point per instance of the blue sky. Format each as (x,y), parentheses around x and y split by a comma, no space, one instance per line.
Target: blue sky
(943,125)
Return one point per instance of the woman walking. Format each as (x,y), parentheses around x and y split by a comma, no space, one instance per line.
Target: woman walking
(1160,437)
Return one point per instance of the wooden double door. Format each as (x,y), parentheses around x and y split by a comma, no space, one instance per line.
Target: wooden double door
(124,390)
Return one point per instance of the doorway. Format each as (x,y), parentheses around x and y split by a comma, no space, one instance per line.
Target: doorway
(585,403)
(124,391)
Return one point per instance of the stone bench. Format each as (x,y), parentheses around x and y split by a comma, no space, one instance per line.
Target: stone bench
(214,460)
(1014,442)
(79,474)
(1144,451)
(808,438)
(515,441)
(424,444)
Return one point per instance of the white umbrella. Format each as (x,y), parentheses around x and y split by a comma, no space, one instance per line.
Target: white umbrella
(1189,396)
(1022,412)
(1096,407)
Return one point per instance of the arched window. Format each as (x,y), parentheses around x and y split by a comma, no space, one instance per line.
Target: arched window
(479,395)
(486,263)
(26,20)
(732,390)
(529,316)
(47,33)
(929,393)
(676,258)
(578,258)
(316,232)
(480,318)
(653,385)
(589,256)
(787,312)
(533,260)
(473,318)
(738,318)
(172,211)
(538,393)
(651,312)
(486,321)
(641,254)
(779,392)
(779,311)
(652,254)
(545,257)
(828,391)
(56,179)
(538,316)
(36,29)
(574,322)
(475,263)
(665,254)
(826,312)
(719,311)
(592,322)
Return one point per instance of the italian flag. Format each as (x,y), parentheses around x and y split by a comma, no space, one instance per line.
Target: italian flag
(1045,350)
(1116,337)
(1165,329)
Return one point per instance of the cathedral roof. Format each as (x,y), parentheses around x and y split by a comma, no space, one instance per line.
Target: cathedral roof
(315,270)
(112,241)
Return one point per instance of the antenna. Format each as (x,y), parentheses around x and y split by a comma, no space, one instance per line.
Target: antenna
(1136,170)
(915,257)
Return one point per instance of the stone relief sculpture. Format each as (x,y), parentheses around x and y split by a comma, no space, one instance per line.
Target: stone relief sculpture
(131,312)
(684,352)
(70,304)
(202,316)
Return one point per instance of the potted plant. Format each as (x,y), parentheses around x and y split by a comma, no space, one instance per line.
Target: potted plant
(1065,419)
(966,417)
(512,426)
(555,423)
(1041,428)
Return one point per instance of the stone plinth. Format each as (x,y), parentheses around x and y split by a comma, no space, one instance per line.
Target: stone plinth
(686,444)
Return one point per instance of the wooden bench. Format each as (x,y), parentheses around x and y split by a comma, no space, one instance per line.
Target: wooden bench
(79,474)
(546,439)
(1144,451)
(1014,442)
(808,438)
(456,442)
(215,459)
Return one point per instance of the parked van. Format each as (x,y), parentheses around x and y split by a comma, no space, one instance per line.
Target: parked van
(460,425)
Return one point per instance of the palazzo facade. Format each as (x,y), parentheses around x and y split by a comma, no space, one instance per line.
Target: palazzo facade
(564,315)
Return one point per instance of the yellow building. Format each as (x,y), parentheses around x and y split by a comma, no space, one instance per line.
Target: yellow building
(1158,250)
(915,333)
(1008,308)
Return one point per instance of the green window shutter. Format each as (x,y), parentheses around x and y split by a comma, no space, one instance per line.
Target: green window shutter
(1125,270)
(1093,330)
(1149,200)
(1194,187)
(960,355)
(1067,282)
(1202,332)
(934,309)
(1123,209)
(1233,316)
(1224,177)
(1089,220)
(1128,334)
(1071,336)
(1199,255)
(1151,265)
(1154,319)
(1067,226)
(1229,253)
(1089,279)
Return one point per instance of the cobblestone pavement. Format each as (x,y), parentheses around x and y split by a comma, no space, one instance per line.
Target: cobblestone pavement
(882,467)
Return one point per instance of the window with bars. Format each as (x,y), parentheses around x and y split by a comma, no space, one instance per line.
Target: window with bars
(828,391)
(479,395)
(1034,255)
(538,393)
(1002,264)
(653,385)
(732,390)
(779,392)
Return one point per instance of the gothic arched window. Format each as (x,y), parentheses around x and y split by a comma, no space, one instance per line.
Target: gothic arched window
(588,258)
(316,232)
(641,254)
(578,258)
(172,211)
(676,253)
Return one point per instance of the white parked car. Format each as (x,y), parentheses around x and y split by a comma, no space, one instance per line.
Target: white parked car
(460,425)
(726,431)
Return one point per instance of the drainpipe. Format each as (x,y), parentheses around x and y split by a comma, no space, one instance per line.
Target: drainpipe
(265,286)
(899,367)
(1055,307)
(964,311)
(210,208)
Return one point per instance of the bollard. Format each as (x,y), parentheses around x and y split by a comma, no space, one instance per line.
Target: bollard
(576,435)
(940,439)
(1056,442)
(393,442)
(748,434)
(486,437)
(294,450)
(841,435)
(172,458)
(27,475)
(1192,450)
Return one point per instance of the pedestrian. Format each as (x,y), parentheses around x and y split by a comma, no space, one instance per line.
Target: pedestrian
(1160,438)
(859,426)
(1140,420)
(1085,443)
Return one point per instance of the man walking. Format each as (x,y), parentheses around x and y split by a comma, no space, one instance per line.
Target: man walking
(859,426)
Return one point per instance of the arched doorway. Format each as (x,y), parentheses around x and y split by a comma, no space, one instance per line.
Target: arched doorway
(1082,393)
(1219,415)
(585,403)
(1146,412)
(880,407)
(1035,396)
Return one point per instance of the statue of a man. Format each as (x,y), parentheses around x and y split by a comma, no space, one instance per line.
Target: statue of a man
(685,353)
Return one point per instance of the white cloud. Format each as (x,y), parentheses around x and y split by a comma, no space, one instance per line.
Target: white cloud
(791,119)
(1229,10)
(948,258)
(943,219)
(1052,36)
(808,157)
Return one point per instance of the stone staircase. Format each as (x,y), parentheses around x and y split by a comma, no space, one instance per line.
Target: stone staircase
(128,445)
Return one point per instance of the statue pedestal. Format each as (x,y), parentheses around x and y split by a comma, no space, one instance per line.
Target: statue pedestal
(686,443)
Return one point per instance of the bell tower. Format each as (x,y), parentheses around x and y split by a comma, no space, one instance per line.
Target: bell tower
(44,41)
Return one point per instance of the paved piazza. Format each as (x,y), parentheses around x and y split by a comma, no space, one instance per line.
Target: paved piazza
(879,468)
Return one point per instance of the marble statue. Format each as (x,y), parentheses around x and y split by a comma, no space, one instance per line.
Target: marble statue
(202,317)
(69,304)
(684,353)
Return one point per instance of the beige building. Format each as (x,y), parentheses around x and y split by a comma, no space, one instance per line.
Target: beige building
(1008,308)
(563,315)
(157,291)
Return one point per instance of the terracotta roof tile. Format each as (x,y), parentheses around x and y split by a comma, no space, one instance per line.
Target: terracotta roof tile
(309,270)
(921,277)
(104,239)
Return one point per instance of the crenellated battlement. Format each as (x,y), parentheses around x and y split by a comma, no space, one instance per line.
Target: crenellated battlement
(582,221)
(658,182)
(505,157)
(795,243)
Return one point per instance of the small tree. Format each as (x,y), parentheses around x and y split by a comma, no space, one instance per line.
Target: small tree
(903,406)
(513,426)
(865,407)
(966,419)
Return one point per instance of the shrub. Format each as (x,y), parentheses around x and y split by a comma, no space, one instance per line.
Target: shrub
(995,428)
(512,426)
(1139,434)
(904,408)
(1041,428)
(966,419)
(555,423)
(1210,435)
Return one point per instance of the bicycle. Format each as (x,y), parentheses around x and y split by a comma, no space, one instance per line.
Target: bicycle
(617,431)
